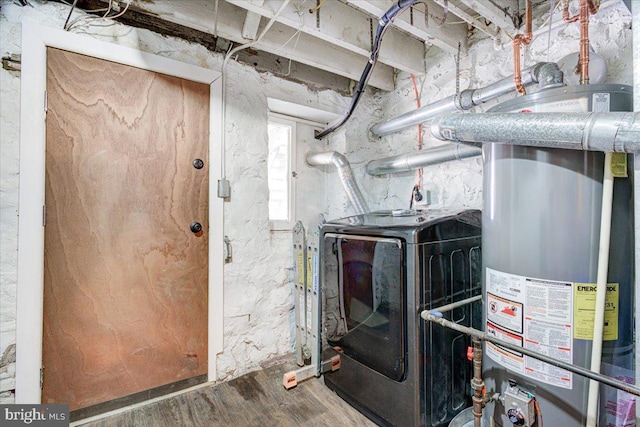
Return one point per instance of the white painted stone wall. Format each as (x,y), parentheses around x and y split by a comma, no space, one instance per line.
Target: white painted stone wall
(258,301)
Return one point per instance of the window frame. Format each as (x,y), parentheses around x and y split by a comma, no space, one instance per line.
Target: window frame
(286,225)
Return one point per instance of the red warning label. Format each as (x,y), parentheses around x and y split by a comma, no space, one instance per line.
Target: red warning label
(504,312)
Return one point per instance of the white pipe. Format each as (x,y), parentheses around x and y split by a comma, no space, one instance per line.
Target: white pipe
(228,56)
(601,290)
(635,11)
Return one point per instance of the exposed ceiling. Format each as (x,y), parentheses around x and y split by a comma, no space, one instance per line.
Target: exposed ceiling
(328,40)
(337,36)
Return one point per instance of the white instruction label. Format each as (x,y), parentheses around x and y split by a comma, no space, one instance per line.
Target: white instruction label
(537,313)
(507,358)
(601,102)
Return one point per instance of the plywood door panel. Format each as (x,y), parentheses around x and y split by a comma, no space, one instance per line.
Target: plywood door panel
(125,288)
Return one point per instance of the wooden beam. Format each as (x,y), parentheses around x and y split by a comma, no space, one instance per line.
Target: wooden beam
(503,18)
(280,40)
(324,56)
(250,27)
(345,27)
(423,26)
(490,30)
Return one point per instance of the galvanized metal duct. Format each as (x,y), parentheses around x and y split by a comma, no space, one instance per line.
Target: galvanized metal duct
(547,74)
(346,176)
(607,132)
(416,160)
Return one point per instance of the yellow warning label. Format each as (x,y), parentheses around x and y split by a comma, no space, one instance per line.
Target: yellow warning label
(309,269)
(619,165)
(584,311)
(300,267)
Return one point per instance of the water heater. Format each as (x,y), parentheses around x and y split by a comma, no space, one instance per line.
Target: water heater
(540,237)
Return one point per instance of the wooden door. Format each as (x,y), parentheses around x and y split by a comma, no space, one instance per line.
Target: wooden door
(125,286)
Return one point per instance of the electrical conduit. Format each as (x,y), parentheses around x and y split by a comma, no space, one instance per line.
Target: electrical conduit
(383,24)
(224,85)
(346,176)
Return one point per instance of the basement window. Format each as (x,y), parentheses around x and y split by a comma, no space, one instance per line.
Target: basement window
(280,172)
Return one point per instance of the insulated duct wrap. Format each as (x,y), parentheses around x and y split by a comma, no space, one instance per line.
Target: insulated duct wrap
(608,132)
(346,176)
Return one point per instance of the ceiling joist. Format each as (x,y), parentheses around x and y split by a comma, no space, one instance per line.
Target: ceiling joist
(281,40)
(421,24)
(250,27)
(338,36)
(476,21)
(503,18)
(345,27)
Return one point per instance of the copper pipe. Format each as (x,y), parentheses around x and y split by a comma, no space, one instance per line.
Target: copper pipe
(521,39)
(477,383)
(584,42)
(517,78)
(565,12)
(586,7)
(593,9)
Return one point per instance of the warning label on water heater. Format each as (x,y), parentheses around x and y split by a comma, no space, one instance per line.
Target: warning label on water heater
(535,313)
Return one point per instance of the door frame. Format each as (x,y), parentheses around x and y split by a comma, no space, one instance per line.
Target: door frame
(30,285)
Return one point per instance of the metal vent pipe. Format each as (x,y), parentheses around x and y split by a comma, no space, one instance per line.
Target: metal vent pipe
(419,159)
(346,176)
(608,132)
(546,74)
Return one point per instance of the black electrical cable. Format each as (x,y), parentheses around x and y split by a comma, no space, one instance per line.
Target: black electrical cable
(383,23)
(73,6)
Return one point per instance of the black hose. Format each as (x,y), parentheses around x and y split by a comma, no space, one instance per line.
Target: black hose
(383,23)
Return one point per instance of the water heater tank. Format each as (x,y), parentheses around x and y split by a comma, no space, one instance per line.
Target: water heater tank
(540,236)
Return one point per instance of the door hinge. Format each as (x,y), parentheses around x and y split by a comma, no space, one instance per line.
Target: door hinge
(44,215)
(41,378)
(224,188)
(46,102)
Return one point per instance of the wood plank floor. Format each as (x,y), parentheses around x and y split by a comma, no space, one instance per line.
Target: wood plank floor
(255,399)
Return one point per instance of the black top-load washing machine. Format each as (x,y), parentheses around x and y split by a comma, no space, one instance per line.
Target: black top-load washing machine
(378,272)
